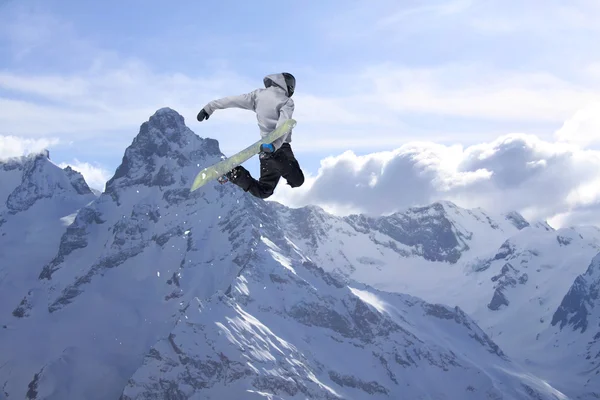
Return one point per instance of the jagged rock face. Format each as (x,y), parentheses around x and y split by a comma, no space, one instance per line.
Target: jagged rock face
(77,181)
(580,311)
(40,179)
(429,231)
(517,220)
(163,145)
(11,172)
(580,301)
(508,277)
(36,199)
(426,230)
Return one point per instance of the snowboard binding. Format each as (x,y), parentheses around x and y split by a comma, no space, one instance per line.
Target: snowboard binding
(229,176)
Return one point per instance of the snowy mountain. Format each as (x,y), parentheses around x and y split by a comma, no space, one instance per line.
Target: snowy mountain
(151,291)
(524,289)
(508,274)
(390,252)
(111,289)
(37,201)
(286,329)
(531,272)
(31,179)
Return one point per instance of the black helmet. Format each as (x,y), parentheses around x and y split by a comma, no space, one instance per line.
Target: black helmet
(290,81)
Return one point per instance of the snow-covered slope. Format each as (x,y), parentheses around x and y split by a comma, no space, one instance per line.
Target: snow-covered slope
(573,338)
(416,251)
(117,279)
(440,232)
(528,275)
(514,296)
(506,273)
(286,329)
(150,280)
(37,202)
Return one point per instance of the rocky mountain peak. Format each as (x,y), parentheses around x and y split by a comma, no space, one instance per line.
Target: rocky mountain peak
(167,120)
(517,220)
(21,162)
(163,146)
(35,177)
(77,181)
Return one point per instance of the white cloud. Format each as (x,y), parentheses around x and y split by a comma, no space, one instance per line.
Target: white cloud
(53,87)
(476,92)
(105,94)
(555,16)
(519,172)
(110,94)
(28,30)
(436,10)
(112,98)
(13,146)
(583,128)
(96,176)
(101,105)
(393,22)
(593,70)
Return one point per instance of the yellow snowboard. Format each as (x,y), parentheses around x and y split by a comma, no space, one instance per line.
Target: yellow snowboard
(221,168)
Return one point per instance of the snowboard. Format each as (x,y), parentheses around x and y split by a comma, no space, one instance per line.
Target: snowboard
(222,167)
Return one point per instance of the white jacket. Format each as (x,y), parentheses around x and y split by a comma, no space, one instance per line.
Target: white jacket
(272,106)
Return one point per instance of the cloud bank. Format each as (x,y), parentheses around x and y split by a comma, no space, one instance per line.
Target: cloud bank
(554,180)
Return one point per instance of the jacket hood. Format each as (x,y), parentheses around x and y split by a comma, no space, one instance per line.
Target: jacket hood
(278,80)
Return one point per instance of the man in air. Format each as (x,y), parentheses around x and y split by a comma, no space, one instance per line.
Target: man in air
(273,105)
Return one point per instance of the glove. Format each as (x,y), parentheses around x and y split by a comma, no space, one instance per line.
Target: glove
(202,115)
(267,148)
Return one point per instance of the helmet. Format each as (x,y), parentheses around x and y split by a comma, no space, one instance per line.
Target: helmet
(287,83)
(290,81)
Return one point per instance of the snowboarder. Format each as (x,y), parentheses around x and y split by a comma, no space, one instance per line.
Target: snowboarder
(272,105)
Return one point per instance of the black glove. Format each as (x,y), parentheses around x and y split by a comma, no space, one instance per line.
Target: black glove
(202,115)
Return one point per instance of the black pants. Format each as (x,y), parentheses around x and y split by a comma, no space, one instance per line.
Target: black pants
(281,163)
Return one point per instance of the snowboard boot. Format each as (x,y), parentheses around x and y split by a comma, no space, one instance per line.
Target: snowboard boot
(230,176)
(263,155)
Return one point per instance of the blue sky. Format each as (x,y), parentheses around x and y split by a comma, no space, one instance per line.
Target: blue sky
(372,76)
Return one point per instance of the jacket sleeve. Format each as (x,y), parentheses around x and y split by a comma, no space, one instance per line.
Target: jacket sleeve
(246,101)
(285,113)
